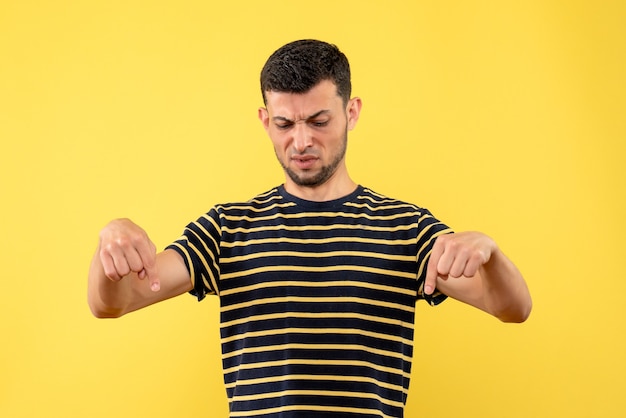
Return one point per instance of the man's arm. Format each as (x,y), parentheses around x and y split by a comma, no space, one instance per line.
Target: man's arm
(470,267)
(127,274)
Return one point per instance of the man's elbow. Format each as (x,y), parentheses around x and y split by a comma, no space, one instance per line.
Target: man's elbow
(101,311)
(101,314)
(516,314)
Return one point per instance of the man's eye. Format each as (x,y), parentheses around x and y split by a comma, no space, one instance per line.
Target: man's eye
(284,126)
(319,124)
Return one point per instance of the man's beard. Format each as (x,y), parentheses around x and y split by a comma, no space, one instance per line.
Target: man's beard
(325,172)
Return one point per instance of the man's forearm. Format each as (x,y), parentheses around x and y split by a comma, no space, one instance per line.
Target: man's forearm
(505,292)
(106,298)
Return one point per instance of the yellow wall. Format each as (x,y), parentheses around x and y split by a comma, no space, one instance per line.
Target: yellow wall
(506,117)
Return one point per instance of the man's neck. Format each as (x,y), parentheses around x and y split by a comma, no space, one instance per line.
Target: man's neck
(331,190)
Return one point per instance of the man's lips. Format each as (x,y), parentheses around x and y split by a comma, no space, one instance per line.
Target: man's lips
(304,161)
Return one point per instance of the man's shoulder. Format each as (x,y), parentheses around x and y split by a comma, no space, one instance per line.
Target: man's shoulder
(265,199)
(372,198)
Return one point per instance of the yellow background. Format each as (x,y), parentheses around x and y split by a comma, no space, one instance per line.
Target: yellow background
(501,116)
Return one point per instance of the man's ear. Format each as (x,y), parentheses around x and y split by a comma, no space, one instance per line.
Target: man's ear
(264,117)
(353,110)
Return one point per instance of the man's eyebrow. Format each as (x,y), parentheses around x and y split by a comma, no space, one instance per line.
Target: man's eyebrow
(313,116)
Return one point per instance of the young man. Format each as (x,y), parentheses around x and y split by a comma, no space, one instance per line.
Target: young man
(317,278)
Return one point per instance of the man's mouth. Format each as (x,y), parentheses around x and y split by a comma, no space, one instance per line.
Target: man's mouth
(304,161)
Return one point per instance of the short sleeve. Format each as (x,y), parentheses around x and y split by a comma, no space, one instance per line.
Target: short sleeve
(429,228)
(199,247)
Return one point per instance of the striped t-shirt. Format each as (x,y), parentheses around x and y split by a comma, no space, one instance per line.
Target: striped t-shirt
(317,300)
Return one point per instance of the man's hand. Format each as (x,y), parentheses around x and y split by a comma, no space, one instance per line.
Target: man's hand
(125,248)
(457,255)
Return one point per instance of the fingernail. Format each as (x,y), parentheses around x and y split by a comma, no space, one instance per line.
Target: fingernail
(428,289)
(156,286)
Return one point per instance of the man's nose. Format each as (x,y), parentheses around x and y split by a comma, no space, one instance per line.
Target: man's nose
(302,137)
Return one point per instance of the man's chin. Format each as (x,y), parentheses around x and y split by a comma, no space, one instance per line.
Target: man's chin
(307,179)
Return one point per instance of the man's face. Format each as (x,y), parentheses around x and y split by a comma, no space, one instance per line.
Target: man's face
(309,132)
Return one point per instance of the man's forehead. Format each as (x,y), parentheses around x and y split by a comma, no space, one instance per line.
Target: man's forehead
(323,96)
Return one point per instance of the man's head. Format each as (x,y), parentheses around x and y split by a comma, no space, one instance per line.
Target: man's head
(299,66)
(307,115)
